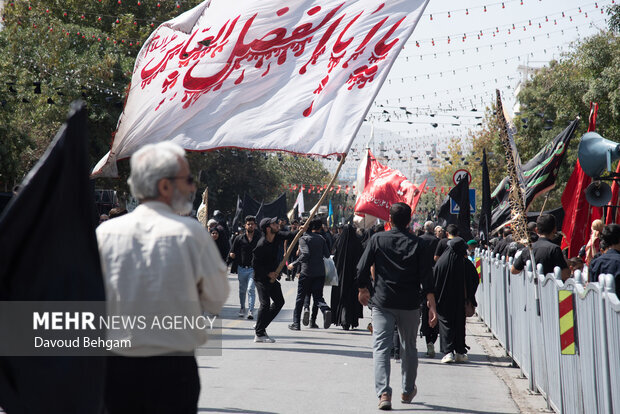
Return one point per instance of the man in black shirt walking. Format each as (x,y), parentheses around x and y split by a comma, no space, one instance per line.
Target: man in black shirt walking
(241,251)
(313,248)
(545,252)
(265,262)
(402,265)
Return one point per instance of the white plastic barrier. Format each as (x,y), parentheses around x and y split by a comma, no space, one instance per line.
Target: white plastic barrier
(522,311)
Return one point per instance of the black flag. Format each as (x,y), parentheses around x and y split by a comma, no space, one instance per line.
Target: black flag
(238,219)
(485,213)
(49,253)
(276,208)
(539,175)
(460,194)
(444,217)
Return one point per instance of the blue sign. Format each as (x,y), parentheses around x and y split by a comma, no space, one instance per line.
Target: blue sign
(454,208)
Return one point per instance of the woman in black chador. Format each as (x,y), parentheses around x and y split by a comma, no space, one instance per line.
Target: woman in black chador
(456,281)
(344,301)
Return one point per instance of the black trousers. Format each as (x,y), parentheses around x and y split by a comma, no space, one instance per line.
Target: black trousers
(429,333)
(309,286)
(452,332)
(315,307)
(149,385)
(268,292)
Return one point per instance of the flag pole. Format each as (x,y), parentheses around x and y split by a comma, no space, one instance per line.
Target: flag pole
(312,214)
(544,203)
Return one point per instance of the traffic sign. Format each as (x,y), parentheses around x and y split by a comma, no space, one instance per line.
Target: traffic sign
(454,208)
(459,175)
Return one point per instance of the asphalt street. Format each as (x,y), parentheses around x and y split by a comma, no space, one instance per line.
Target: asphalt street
(331,371)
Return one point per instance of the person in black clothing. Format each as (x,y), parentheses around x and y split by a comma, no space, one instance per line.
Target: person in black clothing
(608,262)
(545,252)
(290,274)
(456,280)
(402,266)
(452,231)
(503,245)
(344,303)
(307,318)
(220,242)
(241,252)
(265,263)
(430,334)
(313,249)
(327,235)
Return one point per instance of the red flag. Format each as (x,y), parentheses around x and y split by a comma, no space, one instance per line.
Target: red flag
(384,186)
(578,213)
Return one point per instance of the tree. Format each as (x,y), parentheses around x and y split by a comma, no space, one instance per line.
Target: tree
(53,53)
(564,90)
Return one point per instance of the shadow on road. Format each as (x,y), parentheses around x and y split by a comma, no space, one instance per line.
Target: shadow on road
(233,410)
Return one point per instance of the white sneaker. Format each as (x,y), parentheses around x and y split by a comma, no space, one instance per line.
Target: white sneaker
(264,338)
(448,358)
(250,314)
(461,358)
(430,350)
(241,313)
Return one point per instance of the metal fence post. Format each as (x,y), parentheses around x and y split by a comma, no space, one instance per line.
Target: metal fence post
(605,290)
(539,271)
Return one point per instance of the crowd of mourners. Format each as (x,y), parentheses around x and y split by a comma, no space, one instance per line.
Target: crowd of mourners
(408,277)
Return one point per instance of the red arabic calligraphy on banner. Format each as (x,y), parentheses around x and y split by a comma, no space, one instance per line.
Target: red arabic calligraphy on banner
(384,187)
(181,58)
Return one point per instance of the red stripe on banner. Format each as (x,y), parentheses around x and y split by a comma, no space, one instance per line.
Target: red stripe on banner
(566,306)
(567,338)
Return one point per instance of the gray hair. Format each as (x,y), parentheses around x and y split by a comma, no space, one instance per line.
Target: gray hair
(150,164)
(429,226)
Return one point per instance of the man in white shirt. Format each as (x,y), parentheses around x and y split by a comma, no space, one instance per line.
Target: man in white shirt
(157,263)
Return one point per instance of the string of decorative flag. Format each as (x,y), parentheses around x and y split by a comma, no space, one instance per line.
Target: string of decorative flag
(520,25)
(486,7)
(319,188)
(499,43)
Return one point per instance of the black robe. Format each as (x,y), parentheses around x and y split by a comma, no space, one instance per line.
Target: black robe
(222,243)
(455,278)
(344,301)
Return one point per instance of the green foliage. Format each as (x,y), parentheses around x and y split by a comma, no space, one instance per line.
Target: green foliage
(56,52)
(231,173)
(564,90)
(614,17)
(299,170)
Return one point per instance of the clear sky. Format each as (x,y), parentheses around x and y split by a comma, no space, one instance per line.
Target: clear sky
(444,88)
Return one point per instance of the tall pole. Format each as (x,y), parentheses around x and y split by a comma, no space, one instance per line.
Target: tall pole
(312,214)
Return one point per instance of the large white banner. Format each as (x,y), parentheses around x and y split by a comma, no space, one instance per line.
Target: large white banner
(296,75)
